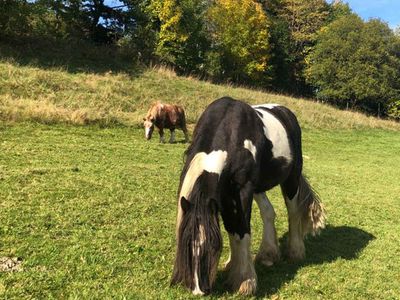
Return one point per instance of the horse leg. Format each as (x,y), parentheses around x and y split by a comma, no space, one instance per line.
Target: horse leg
(296,248)
(161,132)
(172,138)
(269,250)
(185,132)
(306,213)
(242,275)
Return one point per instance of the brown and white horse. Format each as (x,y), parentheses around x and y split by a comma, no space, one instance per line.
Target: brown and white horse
(162,116)
(239,152)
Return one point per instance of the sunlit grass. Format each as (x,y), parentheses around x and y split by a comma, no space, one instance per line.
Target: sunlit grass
(55,95)
(90,210)
(91,213)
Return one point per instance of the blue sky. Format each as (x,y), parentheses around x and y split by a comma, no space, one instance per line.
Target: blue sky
(386,10)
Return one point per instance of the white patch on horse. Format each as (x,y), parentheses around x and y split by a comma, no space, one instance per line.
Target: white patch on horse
(147,131)
(197,290)
(269,250)
(268,105)
(276,133)
(201,238)
(242,275)
(295,242)
(214,162)
(250,146)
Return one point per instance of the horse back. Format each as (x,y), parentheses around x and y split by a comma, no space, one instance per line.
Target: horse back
(290,124)
(167,115)
(225,125)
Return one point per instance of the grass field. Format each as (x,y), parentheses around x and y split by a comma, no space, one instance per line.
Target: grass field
(89,207)
(90,211)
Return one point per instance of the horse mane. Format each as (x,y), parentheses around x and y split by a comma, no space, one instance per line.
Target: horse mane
(204,211)
(154,110)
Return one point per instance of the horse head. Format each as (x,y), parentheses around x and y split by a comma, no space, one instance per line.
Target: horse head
(148,126)
(199,245)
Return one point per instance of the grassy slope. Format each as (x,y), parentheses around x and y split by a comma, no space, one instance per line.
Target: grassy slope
(55,95)
(91,211)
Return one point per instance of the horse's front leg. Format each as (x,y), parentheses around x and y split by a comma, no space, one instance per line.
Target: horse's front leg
(242,275)
(172,138)
(269,250)
(161,132)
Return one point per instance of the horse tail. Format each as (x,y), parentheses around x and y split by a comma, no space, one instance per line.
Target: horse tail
(311,208)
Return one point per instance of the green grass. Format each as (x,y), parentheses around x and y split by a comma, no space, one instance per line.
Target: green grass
(91,212)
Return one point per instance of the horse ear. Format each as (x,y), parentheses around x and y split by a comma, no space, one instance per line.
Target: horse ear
(185,205)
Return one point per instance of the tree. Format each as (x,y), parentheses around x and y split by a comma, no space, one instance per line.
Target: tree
(182,40)
(304,19)
(14,17)
(356,63)
(338,9)
(239,31)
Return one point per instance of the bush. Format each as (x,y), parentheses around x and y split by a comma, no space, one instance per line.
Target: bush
(393,110)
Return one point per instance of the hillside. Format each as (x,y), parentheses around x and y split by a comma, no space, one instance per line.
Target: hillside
(55,95)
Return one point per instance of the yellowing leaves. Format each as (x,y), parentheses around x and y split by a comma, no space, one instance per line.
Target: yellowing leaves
(240,28)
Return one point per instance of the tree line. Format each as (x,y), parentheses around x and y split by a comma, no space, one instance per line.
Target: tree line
(311,48)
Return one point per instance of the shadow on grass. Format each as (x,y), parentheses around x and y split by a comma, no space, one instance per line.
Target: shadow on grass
(334,242)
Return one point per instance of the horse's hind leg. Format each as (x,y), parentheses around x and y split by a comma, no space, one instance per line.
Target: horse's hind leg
(296,248)
(269,250)
(306,213)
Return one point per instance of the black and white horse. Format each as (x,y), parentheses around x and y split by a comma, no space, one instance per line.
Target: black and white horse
(238,152)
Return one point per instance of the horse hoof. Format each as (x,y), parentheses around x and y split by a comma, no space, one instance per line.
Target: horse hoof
(265,262)
(248,287)
(296,255)
(267,259)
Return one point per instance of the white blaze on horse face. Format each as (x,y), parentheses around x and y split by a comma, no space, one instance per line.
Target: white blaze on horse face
(276,133)
(250,146)
(146,132)
(198,243)
(148,125)
(214,162)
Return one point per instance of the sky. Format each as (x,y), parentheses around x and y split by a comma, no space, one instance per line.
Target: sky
(386,10)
